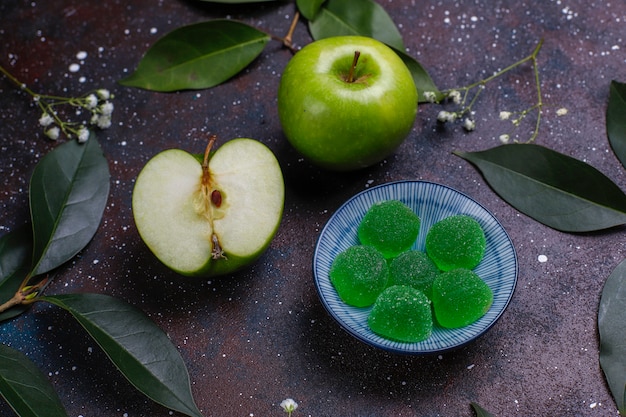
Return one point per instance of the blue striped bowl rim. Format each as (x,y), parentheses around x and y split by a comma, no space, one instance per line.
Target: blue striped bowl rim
(432,202)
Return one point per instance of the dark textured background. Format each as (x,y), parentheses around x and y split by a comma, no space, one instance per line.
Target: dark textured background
(254,339)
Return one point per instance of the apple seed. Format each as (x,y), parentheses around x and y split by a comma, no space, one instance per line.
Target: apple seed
(216,198)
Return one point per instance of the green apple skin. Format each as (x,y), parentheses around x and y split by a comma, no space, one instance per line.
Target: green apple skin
(178,224)
(342,125)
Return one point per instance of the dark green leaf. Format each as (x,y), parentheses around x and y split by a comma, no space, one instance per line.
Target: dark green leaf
(616,120)
(26,388)
(136,345)
(198,56)
(612,330)
(422,79)
(554,189)
(309,8)
(68,192)
(355,17)
(16,249)
(480,412)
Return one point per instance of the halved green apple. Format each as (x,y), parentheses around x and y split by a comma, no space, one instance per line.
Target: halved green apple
(212,214)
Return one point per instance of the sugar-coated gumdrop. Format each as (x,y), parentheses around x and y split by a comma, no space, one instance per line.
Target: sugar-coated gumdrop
(359,274)
(401,313)
(456,242)
(460,297)
(413,268)
(390,226)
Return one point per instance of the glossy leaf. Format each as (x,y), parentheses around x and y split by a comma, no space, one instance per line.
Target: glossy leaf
(355,17)
(309,8)
(612,330)
(68,192)
(616,120)
(554,189)
(16,248)
(480,412)
(27,390)
(136,345)
(422,79)
(197,56)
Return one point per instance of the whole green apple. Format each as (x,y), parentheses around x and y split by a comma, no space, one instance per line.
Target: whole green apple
(346,102)
(212,214)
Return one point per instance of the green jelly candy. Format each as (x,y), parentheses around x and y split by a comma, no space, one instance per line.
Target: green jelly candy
(401,313)
(456,242)
(460,297)
(390,226)
(413,268)
(359,274)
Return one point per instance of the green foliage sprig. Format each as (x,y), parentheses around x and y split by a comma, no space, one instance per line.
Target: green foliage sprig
(97,103)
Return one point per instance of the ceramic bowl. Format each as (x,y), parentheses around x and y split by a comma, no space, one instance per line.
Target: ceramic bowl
(432,202)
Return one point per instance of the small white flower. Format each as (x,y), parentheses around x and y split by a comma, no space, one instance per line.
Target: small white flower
(561,112)
(446,116)
(46,120)
(504,115)
(455,96)
(289,405)
(504,138)
(91,101)
(430,96)
(83,134)
(106,108)
(53,133)
(469,124)
(103,93)
(103,122)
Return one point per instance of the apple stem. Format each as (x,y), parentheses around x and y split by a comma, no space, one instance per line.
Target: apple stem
(207,151)
(355,61)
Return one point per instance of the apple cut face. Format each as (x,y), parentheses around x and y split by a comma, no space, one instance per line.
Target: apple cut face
(197,236)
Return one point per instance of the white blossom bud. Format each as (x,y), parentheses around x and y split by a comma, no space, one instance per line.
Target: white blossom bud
(504,115)
(289,405)
(442,116)
(430,96)
(103,93)
(455,96)
(469,124)
(504,138)
(104,122)
(46,120)
(83,134)
(91,101)
(106,108)
(53,133)
(561,112)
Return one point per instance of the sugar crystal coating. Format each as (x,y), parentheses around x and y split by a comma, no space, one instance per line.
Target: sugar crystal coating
(390,226)
(359,274)
(460,297)
(456,242)
(413,268)
(401,313)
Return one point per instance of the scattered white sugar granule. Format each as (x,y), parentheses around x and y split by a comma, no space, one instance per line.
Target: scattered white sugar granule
(542,258)
(81,55)
(74,67)
(153,30)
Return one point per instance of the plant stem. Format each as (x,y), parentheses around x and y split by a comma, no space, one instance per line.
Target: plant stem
(355,61)
(17,82)
(25,294)
(287,40)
